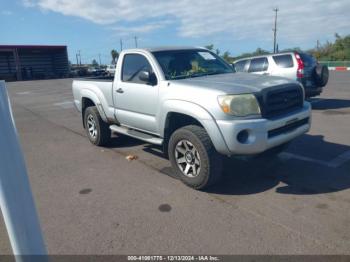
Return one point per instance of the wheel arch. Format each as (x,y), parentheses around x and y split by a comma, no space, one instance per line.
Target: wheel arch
(88,98)
(177,114)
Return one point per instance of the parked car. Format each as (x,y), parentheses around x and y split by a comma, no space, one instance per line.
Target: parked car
(293,65)
(78,72)
(190,102)
(110,70)
(95,71)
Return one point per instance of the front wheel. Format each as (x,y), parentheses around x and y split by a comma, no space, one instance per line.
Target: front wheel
(97,130)
(194,158)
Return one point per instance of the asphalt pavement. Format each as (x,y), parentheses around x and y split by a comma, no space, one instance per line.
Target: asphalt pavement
(92,200)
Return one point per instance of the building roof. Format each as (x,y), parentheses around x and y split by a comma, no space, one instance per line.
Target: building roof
(32,46)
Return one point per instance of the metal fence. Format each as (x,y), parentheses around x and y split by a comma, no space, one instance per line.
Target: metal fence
(335,63)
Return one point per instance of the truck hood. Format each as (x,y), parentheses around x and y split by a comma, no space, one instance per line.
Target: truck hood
(235,83)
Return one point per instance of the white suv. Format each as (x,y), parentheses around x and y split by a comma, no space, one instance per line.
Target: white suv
(110,70)
(293,65)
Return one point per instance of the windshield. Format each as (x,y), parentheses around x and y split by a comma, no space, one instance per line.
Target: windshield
(179,64)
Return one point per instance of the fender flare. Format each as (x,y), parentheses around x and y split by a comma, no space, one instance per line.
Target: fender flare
(200,114)
(86,93)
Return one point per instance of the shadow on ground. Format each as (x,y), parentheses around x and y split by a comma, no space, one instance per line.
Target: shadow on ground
(122,141)
(291,176)
(326,104)
(244,176)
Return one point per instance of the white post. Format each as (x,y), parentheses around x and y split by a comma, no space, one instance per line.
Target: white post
(16,199)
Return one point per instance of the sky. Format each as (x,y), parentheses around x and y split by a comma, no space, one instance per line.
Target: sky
(96,26)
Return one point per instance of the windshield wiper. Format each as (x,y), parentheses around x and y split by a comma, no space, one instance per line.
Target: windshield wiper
(217,72)
(198,74)
(187,76)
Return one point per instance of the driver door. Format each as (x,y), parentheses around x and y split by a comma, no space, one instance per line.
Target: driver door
(136,101)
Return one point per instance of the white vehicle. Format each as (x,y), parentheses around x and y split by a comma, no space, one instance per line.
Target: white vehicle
(110,70)
(189,101)
(298,66)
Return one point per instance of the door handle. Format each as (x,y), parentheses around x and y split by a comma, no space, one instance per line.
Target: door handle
(120,90)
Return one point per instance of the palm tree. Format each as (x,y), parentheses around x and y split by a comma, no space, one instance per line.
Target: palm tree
(115,55)
(226,56)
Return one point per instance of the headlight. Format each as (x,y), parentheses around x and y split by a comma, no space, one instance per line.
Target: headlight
(239,105)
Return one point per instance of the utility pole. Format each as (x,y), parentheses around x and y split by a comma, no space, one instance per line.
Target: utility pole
(275,30)
(99,58)
(135,37)
(121,44)
(79,58)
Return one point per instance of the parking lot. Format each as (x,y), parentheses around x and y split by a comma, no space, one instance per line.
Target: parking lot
(93,201)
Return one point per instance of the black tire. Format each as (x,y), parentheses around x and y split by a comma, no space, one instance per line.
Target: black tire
(321,75)
(103,133)
(210,161)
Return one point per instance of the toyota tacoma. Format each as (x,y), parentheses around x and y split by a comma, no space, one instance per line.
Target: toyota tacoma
(191,102)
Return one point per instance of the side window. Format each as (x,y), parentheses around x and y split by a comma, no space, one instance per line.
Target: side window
(258,65)
(283,61)
(133,65)
(239,66)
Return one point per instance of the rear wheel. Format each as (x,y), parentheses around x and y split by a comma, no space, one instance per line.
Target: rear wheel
(97,130)
(194,158)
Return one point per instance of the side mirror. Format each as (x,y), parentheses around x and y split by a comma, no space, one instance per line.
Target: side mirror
(144,76)
(148,78)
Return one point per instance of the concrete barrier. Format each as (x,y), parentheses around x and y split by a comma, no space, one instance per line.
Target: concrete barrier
(339,68)
(16,201)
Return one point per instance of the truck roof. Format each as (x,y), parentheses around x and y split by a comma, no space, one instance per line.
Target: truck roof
(167,48)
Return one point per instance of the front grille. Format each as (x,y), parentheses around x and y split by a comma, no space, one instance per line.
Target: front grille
(287,128)
(275,102)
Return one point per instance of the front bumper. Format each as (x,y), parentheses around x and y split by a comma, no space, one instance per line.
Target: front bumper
(264,134)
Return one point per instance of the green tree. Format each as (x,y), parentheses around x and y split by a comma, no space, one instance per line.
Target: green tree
(213,49)
(210,47)
(226,57)
(337,51)
(115,55)
(258,51)
(94,63)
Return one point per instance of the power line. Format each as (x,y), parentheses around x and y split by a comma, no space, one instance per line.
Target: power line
(275,30)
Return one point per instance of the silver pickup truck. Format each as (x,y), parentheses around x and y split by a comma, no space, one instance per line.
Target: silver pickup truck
(190,101)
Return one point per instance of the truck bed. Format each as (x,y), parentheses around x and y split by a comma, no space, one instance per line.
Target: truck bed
(97,78)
